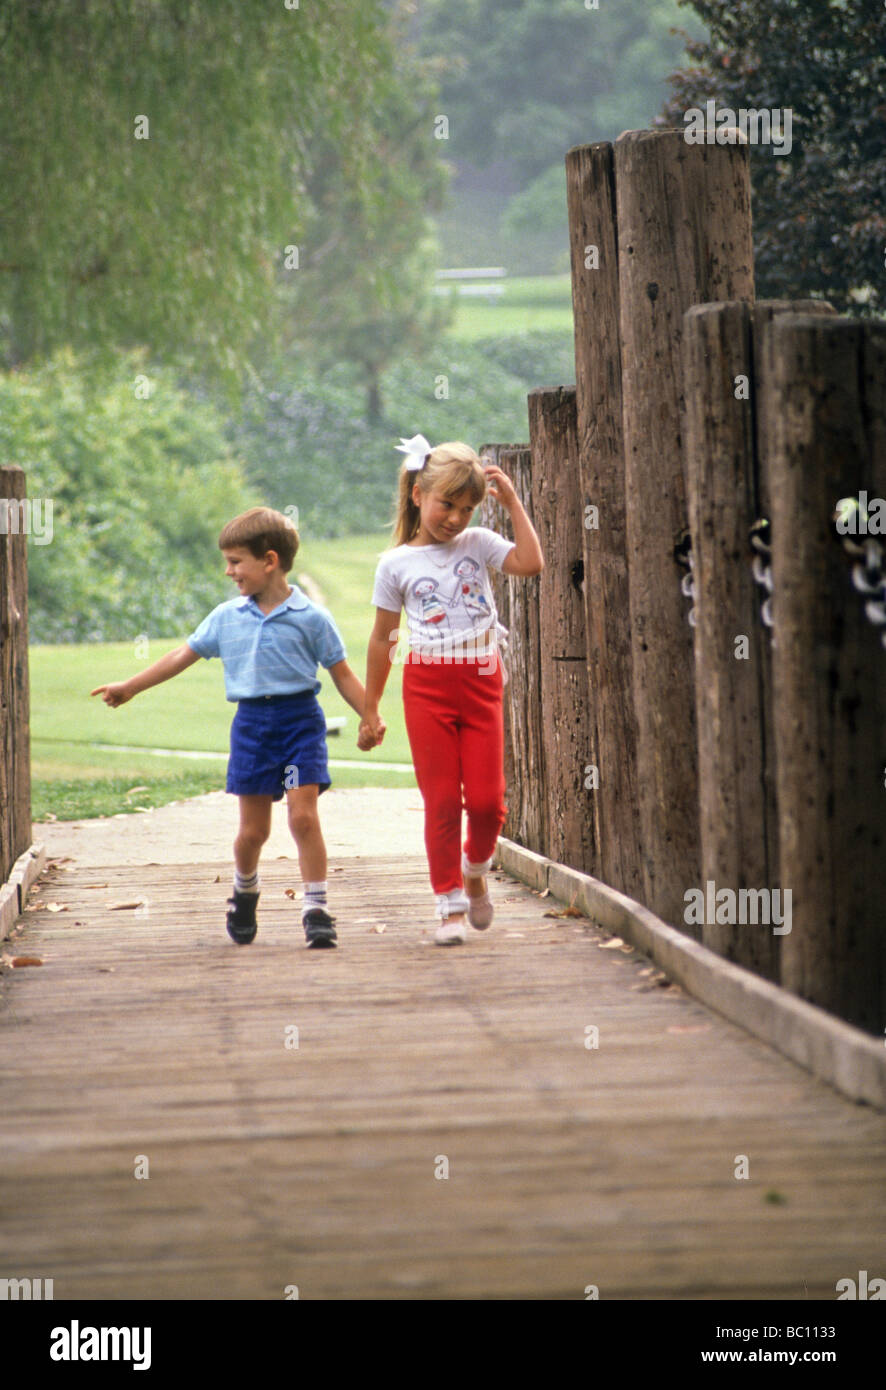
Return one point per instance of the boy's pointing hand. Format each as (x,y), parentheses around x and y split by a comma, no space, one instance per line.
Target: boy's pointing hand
(113,695)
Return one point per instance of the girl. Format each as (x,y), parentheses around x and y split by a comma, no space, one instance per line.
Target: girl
(452,676)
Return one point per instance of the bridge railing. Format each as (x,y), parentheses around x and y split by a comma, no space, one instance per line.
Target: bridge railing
(697,712)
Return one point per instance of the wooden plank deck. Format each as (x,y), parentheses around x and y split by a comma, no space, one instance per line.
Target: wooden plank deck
(150,1033)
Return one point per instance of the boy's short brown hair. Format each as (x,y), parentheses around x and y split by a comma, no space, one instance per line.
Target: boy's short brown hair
(259,530)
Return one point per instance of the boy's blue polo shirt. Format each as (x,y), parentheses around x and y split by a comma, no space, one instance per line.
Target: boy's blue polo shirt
(274,653)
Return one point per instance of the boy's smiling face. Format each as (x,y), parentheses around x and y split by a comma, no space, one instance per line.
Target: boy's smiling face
(252,575)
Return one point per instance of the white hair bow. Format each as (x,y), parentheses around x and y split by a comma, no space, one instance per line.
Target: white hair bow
(416,450)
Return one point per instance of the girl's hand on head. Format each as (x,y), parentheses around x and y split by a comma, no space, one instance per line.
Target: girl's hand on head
(500,486)
(113,695)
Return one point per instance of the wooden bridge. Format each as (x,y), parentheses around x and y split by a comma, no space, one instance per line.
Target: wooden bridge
(541,1113)
(536,1115)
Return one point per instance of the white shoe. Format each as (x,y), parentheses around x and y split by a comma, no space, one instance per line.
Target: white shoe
(451,931)
(480,909)
(451,908)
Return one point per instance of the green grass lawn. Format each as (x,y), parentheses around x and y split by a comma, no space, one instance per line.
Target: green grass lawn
(73,778)
(526,303)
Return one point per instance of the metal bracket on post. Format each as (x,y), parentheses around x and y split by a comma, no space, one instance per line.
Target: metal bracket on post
(685,558)
(868,571)
(761,567)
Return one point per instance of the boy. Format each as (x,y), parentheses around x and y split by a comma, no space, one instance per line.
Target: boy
(270,640)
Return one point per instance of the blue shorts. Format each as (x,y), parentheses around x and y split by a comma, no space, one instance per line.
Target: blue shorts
(278,742)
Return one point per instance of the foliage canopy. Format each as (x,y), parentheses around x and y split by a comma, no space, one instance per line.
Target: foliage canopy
(155,164)
(818,228)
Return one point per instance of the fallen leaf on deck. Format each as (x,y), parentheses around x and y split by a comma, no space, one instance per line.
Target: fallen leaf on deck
(612,944)
(95,885)
(119,907)
(515,933)
(106,969)
(289,893)
(34,907)
(18,961)
(57,907)
(688,1028)
(564,912)
(380,926)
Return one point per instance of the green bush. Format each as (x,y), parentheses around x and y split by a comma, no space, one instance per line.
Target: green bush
(139,488)
(306,441)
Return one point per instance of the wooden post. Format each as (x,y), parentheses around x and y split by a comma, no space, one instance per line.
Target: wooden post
(829,666)
(15,750)
(614,804)
(524,716)
(490,515)
(726,389)
(567,728)
(684,237)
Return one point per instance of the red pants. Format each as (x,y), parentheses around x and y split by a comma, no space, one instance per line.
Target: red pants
(456,733)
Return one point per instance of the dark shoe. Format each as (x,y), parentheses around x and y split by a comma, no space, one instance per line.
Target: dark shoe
(241,921)
(319,928)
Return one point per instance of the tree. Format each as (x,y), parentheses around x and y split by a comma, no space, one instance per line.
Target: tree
(134,480)
(817,228)
(523,80)
(364,291)
(154,164)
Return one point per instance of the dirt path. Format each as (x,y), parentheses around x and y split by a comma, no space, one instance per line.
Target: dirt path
(356,821)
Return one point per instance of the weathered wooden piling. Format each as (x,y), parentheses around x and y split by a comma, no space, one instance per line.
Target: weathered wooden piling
(729,399)
(567,727)
(684,238)
(829,666)
(593,238)
(524,712)
(15,744)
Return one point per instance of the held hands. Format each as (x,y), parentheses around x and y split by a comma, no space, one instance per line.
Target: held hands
(500,486)
(371,732)
(116,694)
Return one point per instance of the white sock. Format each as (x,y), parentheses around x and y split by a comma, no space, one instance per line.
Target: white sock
(448,904)
(475,870)
(313,895)
(246,883)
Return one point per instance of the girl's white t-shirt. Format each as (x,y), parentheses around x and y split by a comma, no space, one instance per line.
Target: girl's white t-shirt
(444,588)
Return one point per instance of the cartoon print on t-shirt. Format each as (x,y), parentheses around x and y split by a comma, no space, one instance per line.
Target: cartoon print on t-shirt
(470,591)
(432,611)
